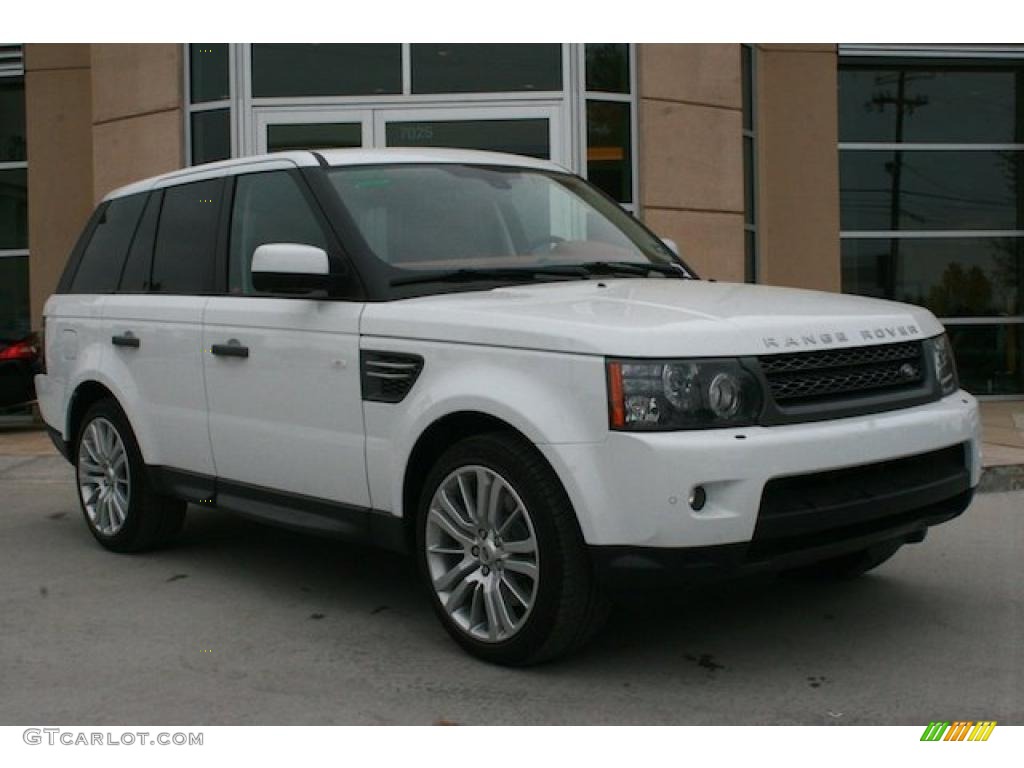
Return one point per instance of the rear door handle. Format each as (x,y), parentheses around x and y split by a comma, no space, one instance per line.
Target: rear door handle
(233,348)
(126,339)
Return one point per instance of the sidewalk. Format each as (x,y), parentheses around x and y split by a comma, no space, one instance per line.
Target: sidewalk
(1002,428)
(1002,450)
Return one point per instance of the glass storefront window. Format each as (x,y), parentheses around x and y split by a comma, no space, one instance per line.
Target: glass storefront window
(952,103)
(952,189)
(208,72)
(609,143)
(284,136)
(14,311)
(529,137)
(989,357)
(607,66)
(953,277)
(496,68)
(211,135)
(933,151)
(13,209)
(12,120)
(294,70)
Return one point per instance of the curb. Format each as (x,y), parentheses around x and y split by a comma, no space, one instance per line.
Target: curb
(1002,478)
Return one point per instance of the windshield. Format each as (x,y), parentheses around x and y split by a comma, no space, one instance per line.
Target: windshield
(463,217)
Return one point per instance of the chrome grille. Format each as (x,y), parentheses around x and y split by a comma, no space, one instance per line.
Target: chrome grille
(810,376)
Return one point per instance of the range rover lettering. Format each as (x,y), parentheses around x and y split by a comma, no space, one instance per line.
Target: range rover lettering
(483,361)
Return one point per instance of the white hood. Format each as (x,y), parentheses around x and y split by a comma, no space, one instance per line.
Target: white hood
(651,318)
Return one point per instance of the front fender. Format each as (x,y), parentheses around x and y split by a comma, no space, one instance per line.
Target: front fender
(548,397)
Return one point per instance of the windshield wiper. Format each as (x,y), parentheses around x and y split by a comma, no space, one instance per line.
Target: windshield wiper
(467,275)
(633,268)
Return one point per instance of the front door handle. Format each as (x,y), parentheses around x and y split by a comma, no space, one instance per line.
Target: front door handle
(126,339)
(233,348)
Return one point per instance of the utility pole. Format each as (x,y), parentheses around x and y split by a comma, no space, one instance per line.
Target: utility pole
(904,105)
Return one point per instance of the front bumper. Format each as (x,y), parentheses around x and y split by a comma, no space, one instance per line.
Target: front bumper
(633,489)
(633,568)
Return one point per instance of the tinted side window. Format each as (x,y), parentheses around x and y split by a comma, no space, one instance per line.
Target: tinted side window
(135,277)
(100,267)
(183,261)
(268,208)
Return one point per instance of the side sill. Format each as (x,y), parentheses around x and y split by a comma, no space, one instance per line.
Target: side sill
(360,525)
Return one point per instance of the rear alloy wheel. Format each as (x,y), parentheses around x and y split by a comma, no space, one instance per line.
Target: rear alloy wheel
(501,553)
(120,506)
(104,477)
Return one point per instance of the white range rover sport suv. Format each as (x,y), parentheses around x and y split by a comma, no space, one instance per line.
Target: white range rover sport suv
(482,360)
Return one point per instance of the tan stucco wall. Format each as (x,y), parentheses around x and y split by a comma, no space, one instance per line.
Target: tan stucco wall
(798,164)
(138,128)
(691,152)
(98,116)
(59,127)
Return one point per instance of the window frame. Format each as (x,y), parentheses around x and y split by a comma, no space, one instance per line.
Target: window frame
(571,98)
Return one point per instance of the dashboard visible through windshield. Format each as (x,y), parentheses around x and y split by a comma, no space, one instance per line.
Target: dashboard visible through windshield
(468,220)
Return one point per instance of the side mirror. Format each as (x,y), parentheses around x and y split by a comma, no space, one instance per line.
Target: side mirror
(290,268)
(671,245)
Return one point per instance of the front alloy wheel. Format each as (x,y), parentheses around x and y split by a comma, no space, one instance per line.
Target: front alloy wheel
(501,553)
(482,554)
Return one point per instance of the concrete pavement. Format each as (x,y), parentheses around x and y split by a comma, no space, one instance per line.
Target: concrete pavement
(244,624)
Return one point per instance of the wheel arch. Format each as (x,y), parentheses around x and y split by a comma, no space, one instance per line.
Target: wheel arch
(85,394)
(438,436)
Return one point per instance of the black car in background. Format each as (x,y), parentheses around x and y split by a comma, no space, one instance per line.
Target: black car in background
(20,360)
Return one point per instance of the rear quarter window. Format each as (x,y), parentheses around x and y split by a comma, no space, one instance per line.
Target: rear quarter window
(99,268)
(136,272)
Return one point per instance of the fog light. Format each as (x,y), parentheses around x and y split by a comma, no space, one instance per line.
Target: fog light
(698,498)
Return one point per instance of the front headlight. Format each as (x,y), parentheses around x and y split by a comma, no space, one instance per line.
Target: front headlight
(653,395)
(945,365)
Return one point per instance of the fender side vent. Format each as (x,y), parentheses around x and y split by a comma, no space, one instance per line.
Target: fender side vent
(387,377)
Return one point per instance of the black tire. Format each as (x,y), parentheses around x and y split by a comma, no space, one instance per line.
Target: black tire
(152,519)
(848,566)
(568,607)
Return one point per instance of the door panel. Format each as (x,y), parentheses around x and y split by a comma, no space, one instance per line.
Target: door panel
(289,416)
(161,375)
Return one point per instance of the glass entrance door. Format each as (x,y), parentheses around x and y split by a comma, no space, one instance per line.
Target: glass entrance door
(534,130)
(282,129)
(531,131)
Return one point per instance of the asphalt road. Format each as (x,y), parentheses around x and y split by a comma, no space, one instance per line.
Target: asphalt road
(244,624)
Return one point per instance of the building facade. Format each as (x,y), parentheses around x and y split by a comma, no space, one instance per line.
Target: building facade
(890,172)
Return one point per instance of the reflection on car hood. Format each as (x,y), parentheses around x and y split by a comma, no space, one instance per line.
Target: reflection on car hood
(651,317)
